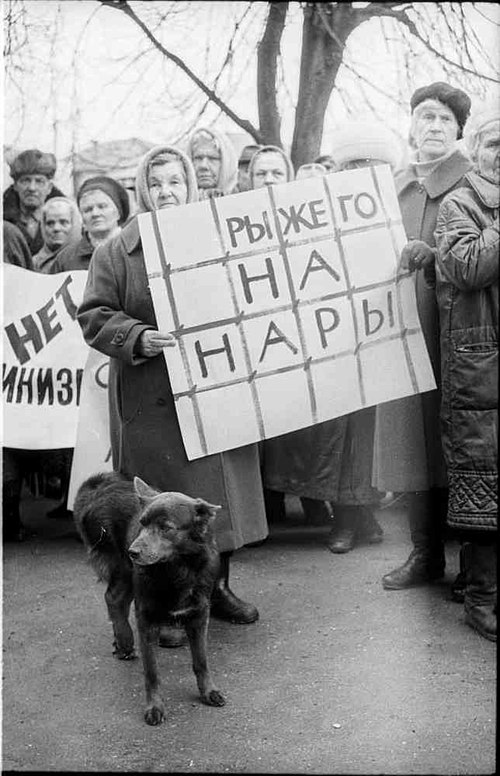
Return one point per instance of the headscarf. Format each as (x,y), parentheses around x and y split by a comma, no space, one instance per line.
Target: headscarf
(114,190)
(290,174)
(477,125)
(76,220)
(144,202)
(364,139)
(229,163)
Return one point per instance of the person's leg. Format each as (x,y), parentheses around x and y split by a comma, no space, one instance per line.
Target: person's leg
(12,473)
(225,604)
(426,561)
(481,586)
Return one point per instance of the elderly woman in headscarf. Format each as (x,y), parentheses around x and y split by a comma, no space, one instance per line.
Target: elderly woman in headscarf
(61,225)
(303,463)
(467,245)
(215,163)
(104,207)
(117,318)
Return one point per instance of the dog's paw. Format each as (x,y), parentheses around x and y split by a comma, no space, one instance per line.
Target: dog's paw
(214,698)
(154,715)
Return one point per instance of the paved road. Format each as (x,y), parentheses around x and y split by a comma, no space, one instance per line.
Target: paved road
(338,676)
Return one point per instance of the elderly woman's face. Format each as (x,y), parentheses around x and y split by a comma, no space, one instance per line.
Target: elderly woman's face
(488,154)
(57,220)
(434,129)
(99,213)
(269,168)
(167,184)
(207,163)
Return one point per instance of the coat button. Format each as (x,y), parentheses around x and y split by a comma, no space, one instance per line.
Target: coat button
(161,402)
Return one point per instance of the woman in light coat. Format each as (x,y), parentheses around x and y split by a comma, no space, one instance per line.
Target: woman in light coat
(118,319)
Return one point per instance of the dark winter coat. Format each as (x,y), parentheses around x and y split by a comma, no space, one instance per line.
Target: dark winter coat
(467,238)
(145,435)
(12,213)
(15,248)
(408,450)
(73,256)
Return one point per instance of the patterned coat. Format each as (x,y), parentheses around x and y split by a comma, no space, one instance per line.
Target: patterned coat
(467,238)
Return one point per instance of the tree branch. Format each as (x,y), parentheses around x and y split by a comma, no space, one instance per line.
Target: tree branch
(124,7)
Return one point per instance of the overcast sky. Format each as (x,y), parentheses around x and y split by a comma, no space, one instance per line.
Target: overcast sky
(98,94)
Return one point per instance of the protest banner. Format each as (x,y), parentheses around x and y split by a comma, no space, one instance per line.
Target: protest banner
(44,354)
(287,305)
(92,447)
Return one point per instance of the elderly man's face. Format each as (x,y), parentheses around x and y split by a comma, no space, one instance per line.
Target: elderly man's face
(434,129)
(269,168)
(33,190)
(488,154)
(207,163)
(57,221)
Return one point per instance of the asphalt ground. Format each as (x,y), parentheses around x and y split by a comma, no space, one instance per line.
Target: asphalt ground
(338,676)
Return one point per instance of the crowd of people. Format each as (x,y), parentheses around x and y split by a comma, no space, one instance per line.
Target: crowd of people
(437,449)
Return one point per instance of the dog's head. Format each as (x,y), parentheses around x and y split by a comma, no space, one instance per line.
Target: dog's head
(172,524)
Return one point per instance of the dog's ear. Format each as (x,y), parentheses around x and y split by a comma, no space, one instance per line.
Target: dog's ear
(143,490)
(205,512)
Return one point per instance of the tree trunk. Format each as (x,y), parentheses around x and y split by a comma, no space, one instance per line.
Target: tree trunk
(322,52)
(267,66)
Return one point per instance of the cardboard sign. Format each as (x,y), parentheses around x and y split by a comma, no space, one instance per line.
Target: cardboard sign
(44,354)
(287,306)
(93,447)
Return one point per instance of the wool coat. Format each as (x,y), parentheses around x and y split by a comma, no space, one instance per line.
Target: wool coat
(75,255)
(408,452)
(145,435)
(467,239)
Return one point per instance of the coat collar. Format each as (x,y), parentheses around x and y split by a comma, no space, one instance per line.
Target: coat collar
(131,236)
(441,179)
(488,192)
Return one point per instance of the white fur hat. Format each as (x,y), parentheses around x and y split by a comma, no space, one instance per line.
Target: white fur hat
(365,140)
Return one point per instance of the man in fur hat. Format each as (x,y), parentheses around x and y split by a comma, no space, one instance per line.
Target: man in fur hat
(33,172)
(408,451)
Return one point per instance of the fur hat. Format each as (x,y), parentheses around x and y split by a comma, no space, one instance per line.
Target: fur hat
(455,99)
(33,162)
(113,189)
(364,139)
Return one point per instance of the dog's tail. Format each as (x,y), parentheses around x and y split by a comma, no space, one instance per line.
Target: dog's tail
(102,511)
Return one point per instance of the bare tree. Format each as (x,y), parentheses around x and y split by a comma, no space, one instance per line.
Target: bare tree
(436,28)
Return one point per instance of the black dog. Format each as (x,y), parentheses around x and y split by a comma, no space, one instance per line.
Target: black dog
(158,549)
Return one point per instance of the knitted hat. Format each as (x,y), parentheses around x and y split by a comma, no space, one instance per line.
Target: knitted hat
(113,189)
(33,162)
(264,150)
(364,140)
(479,123)
(144,201)
(455,99)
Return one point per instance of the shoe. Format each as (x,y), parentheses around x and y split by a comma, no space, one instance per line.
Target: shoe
(172,636)
(419,569)
(483,620)
(481,588)
(341,540)
(369,529)
(226,606)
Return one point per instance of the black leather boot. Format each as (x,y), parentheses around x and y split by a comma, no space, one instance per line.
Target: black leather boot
(315,510)
(342,537)
(225,604)
(481,588)
(426,561)
(369,529)
(172,636)
(274,502)
(458,584)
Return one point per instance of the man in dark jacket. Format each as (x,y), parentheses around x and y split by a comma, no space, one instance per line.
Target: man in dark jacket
(33,172)
(408,454)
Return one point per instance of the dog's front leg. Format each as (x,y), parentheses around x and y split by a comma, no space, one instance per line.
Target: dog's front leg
(197,631)
(148,640)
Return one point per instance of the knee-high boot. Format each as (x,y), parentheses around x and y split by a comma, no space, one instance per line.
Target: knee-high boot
(426,561)
(481,588)
(225,604)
